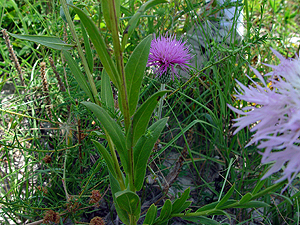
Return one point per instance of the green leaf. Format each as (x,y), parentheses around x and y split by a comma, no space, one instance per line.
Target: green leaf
(106,92)
(112,129)
(207,212)
(142,151)
(246,198)
(134,71)
(100,46)
(179,204)
(226,197)
(165,222)
(115,187)
(78,75)
(135,18)
(165,211)
(213,205)
(268,190)
(141,118)
(48,41)
(87,47)
(106,10)
(185,205)
(287,198)
(258,186)
(107,157)
(151,215)
(252,204)
(128,201)
(202,220)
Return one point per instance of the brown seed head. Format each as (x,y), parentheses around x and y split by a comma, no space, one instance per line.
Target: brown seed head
(96,196)
(47,159)
(51,216)
(13,56)
(97,221)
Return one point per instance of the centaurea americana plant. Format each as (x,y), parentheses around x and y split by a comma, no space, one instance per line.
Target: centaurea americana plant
(167,54)
(273,113)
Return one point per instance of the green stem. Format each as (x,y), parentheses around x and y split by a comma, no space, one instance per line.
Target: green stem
(161,101)
(120,63)
(123,88)
(131,170)
(116,163)
(80,52)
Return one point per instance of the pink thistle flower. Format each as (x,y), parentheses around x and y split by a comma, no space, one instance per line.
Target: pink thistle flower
(275,116)
(166,53)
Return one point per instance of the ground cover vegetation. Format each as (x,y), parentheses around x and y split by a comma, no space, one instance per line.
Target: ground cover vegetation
(91,133)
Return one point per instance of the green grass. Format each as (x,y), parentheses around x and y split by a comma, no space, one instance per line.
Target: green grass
(198,108)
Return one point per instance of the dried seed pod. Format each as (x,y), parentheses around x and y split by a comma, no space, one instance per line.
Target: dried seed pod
(60,83)
(51,216)
(46,90)
(96,196)
(13,56)
(97,221)
(47,159)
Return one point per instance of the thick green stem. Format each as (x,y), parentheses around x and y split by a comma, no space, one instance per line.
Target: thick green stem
(122,89)
(80,52)
(120,63)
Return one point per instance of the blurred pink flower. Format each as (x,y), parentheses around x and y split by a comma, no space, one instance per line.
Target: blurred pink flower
(166,53)
(275,116)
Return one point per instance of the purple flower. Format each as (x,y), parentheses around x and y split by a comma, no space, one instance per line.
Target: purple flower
(275,116)
(166,53)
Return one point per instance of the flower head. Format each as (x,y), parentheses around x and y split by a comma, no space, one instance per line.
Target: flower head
(166,53)
(275,116)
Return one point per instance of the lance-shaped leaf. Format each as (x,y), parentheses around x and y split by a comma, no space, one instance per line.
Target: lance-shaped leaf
(141,118)
(268,190)
(107,157)
(100,46)
(211,206)
(135,18)
(142,151)
(134,71)
(106,92)
(165,211)
(115,187)
(78,75)
(128,201)
(88,50)
(48,41)
(252,204)
(246,198)
(113,130)
(226,197)
(151,215)
(179,204)
(258,186)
